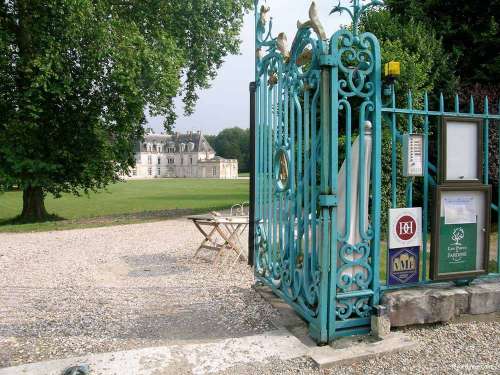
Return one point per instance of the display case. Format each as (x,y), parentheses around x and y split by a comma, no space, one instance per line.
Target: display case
(461,230)
(461,150)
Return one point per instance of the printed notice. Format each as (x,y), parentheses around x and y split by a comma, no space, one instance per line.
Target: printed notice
(459,210)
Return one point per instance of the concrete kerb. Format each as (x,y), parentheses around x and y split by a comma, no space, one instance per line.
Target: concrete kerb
(342,351)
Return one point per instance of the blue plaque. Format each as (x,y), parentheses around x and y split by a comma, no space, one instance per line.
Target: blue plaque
(403,265)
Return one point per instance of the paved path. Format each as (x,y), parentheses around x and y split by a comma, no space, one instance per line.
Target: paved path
(197,359)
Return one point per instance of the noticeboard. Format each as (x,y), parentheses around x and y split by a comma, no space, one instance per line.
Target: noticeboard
(461,150)
(461,227)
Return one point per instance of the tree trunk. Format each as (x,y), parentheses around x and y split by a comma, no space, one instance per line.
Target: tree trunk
(33,204)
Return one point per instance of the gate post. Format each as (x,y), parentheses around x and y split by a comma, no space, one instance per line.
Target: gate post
(251,213)
(325,202)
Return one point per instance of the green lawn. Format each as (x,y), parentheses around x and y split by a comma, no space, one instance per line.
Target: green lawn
(131,201)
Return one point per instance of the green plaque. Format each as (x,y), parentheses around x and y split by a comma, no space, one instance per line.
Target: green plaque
(457,247)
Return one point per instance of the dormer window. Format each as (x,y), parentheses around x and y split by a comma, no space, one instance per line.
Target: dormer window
(183,147)
(190,146)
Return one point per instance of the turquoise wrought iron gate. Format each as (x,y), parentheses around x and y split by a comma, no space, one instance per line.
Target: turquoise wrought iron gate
(317,171)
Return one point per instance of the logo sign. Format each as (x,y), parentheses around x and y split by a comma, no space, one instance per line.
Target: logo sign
(457,247)
(403,265)
(405,227)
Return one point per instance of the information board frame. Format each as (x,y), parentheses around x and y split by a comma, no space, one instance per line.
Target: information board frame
(436,255)
(443,150)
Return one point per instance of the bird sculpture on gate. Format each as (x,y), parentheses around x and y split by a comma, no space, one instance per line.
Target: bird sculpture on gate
(313,22)
(282,45)
(264,15)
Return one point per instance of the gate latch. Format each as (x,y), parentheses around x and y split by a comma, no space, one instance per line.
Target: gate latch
(329,200)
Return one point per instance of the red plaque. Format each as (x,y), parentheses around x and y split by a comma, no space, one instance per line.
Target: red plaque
(406,227)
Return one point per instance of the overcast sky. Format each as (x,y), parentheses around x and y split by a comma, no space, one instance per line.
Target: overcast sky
(226,103)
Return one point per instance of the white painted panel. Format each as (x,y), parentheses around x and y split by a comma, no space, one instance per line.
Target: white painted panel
(461,151)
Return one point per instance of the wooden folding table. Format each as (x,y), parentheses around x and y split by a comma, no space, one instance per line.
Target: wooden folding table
(220,233)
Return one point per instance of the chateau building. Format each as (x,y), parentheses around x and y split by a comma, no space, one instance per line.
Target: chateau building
(180,155)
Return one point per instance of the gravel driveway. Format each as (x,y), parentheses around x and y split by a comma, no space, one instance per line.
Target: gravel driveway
(74,292)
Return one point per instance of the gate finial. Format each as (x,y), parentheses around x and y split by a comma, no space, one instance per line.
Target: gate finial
(282,45)
(313,22)
(357,11)
(263,29)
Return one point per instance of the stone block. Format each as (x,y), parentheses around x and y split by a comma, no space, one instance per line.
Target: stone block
(484,298)
(441,303)
(425,305)
(381,326)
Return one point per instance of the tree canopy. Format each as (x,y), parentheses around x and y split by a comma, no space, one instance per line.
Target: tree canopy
(470,31)
(77,75)
(425,67)
(233,143)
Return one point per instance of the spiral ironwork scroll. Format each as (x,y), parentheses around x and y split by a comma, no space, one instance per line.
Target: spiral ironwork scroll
(288,80)
(294,237)
(356,61)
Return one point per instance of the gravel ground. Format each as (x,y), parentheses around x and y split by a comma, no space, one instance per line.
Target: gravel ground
(74,292)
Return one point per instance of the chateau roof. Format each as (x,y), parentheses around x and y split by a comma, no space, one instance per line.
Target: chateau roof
(200,144)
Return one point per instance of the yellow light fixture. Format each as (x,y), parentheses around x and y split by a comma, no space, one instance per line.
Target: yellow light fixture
(392,69)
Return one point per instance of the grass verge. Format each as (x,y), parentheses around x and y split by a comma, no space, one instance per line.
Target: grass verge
(127,202)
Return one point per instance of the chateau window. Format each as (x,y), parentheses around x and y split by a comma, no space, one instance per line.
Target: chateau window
(159,171)
(170,160)
(150,159)
(150,171)
(159,160)
(214,171)
(134,172)
(190,160)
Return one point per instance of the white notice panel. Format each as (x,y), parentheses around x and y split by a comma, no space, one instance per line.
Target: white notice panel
(462,151)
(460,209)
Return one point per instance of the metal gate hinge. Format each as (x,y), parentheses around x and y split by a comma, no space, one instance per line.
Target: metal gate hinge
(326,60)
(328,200)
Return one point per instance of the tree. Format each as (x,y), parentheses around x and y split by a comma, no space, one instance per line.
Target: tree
(425,67)
(470,31)
(234,143)
(77,75)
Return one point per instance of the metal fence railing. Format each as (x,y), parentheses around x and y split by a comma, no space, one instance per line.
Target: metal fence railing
(422,119)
